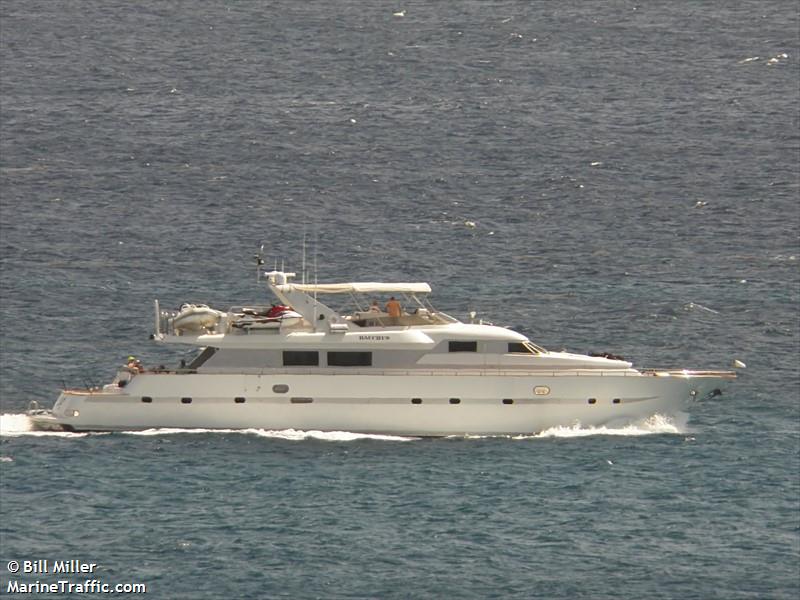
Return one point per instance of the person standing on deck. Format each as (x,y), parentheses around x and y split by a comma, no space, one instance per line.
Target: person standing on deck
(393,308)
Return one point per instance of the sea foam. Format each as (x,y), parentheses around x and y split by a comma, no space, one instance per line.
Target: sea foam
(15,425)
(656,424)
(285,434)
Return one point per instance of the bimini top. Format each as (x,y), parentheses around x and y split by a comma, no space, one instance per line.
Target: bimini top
(356,288)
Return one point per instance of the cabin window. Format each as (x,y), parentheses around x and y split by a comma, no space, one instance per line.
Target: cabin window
(462,346)
(186,400)
(300,358)
(349,359)
(280,388)
(455,400)
(524,348)
(508,401)
(147,399)
(416,401)
(239,400)
(518,348)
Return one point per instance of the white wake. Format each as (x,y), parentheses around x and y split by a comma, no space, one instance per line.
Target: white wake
(16,425)
(657,424)
(285,434)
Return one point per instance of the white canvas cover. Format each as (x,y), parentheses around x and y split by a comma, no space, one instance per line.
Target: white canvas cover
(357,288)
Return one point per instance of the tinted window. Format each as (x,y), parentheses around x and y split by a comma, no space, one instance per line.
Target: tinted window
(519,348)
(463,346)
(300,358)
(349,359)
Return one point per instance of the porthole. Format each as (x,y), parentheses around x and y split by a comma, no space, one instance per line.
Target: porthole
(541,390)
(455,400)
(616,401)
(508,401)
(147,399)
(416,401)
(239,400)
(280,388)
(186,400)
(592,400)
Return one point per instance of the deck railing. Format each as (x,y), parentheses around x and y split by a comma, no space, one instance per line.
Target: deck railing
(488,372)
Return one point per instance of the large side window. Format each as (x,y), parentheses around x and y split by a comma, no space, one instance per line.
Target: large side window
(462,347)
(300,358)
(349,359)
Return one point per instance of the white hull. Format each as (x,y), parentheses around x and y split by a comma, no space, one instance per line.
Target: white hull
(433,403)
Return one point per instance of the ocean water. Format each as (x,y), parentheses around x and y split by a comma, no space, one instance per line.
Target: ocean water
(614,176)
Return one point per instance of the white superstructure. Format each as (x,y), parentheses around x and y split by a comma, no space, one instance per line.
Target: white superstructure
(303,365)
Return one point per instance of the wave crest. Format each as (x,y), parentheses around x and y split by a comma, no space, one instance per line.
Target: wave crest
(656,424)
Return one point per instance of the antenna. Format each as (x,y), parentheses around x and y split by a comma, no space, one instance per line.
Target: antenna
(316,244)
(304,257)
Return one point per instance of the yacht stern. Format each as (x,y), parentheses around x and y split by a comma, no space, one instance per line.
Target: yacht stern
(43,419)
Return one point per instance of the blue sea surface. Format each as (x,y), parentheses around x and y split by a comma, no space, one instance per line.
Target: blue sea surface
(603,176)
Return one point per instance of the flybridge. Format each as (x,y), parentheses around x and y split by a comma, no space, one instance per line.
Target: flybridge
(299,309)
(302,297)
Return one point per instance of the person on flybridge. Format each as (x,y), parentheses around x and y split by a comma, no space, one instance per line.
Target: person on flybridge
(135,365)
(393,308)
(132,366)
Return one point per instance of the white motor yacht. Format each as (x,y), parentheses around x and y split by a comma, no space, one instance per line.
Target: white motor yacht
(301,364)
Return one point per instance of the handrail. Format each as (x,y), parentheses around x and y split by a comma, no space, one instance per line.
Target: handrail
(336,371)
(339,371)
